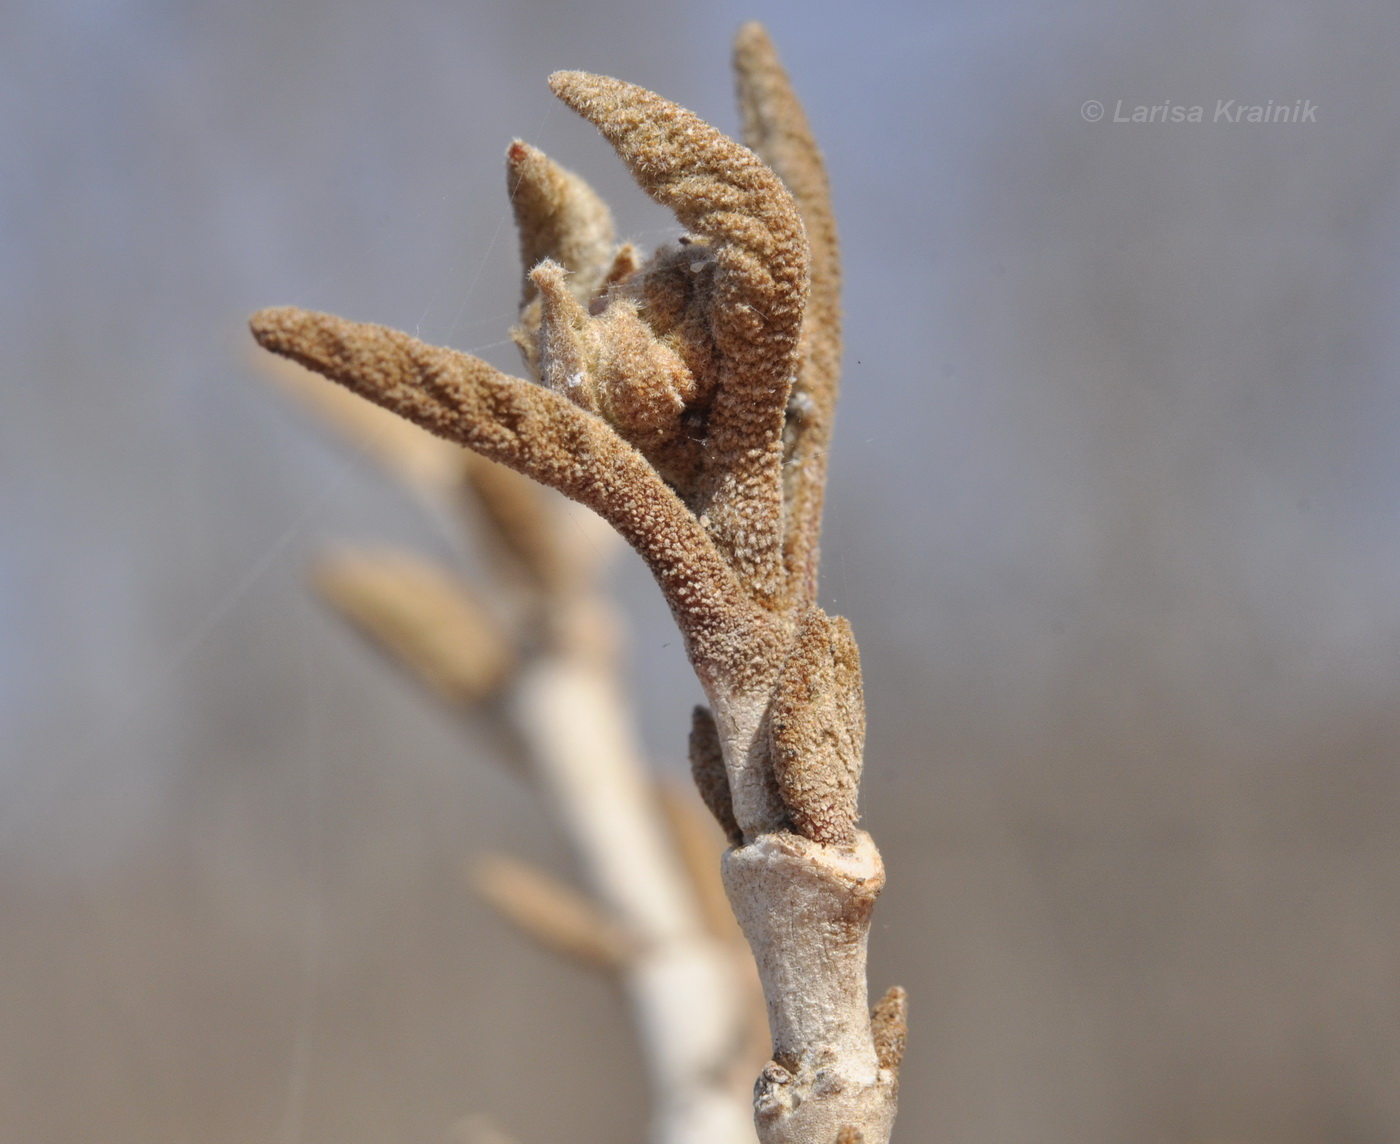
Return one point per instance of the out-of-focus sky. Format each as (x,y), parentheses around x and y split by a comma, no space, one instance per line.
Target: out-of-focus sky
(1113,510)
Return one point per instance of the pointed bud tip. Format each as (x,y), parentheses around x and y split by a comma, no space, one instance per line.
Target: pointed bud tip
(579,88)
(752,34)
(549,277)
(562,80)
(270,326)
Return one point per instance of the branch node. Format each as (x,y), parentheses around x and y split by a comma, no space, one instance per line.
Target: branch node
(711,778)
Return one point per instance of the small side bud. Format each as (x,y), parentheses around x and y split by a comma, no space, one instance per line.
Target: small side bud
(772,1092)
(569,349)
(817,730)
(555,915)
(889,1025)
(707,768)
(644,385)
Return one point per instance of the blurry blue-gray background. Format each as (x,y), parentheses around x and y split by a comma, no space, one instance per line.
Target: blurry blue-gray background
(1115,511)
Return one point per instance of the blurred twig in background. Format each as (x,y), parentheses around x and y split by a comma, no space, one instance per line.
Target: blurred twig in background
(532,647)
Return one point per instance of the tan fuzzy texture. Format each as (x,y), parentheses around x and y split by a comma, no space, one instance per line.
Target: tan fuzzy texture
(674,295)
(613,364)
(643,385)
(724,193)
(669,296)
(558,216)
(889,1021)
(555,915)
(687,399)
(421,615)
(776,127)
(568,350)
(559,219)
(549,438)
(708,770)
(817,730)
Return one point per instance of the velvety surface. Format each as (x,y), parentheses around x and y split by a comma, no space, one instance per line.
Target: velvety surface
(1112,512)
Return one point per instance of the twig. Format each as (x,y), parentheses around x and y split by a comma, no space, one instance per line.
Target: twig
(688,401)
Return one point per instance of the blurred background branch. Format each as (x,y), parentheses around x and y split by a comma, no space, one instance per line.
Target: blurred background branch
(535,648)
